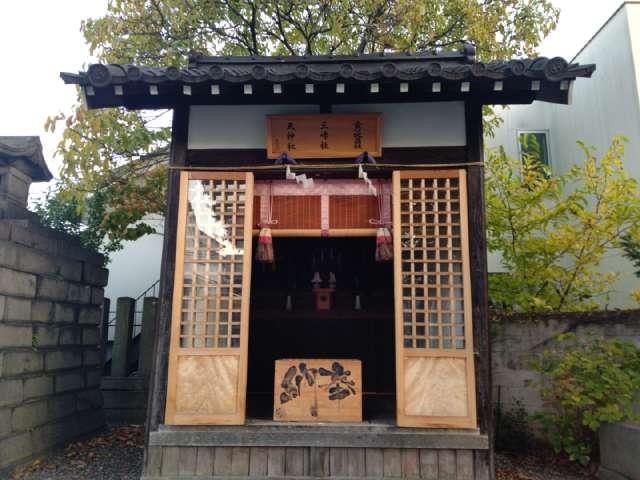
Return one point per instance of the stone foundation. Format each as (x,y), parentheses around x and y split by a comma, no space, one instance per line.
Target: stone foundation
(51,292)
(619,452)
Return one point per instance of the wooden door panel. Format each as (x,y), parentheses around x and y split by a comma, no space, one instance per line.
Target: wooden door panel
(207,385)
(209,328)
(434,343)
(435,387)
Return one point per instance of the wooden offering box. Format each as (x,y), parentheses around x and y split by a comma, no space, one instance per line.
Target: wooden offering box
(318,390)
(323,298)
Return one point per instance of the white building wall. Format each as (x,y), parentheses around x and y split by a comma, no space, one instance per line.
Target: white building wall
(602,107)
(137,266)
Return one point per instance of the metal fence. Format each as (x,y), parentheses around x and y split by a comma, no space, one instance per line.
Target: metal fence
(152,291)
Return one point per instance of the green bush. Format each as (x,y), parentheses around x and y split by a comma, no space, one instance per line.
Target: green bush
(513,433)
(584,383)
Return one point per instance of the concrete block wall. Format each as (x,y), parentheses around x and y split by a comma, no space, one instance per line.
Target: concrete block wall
(517,339)
(125,400)
(51,292)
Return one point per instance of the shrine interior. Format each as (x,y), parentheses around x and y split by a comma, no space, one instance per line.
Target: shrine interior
(285,321)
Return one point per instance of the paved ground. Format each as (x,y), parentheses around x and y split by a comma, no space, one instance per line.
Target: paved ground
(117,455)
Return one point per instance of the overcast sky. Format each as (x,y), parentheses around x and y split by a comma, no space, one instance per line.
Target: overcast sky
(40,38)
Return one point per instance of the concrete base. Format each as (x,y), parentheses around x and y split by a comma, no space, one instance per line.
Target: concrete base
(606,474)
(619,452)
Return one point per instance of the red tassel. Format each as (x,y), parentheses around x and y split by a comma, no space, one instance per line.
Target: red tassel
(384,245)
(264,252)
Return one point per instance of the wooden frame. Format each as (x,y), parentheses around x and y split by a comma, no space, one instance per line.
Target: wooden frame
(306,149)
(427,360)
(332,232)
(192,354)
(158,379)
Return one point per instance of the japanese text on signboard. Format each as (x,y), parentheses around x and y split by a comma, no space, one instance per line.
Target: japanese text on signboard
(324,135)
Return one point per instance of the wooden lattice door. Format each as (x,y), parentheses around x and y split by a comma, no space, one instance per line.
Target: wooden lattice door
(209,331)
(434,342)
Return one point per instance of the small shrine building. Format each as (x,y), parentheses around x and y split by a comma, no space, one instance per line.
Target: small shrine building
(323,309)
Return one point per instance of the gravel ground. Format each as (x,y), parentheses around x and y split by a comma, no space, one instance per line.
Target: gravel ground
(541,464)
(116,454)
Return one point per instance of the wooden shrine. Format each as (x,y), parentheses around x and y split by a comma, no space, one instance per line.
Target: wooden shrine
(355,179)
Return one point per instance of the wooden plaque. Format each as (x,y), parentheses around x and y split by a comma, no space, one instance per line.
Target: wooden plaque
(313,390)
(324,135)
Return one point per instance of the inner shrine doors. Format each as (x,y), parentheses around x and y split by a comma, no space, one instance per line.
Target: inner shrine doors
(210,315)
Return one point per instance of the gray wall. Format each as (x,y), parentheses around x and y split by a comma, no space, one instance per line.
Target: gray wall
(517,339)
(51,292)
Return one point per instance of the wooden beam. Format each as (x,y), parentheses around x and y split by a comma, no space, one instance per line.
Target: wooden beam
(332,232)
(158,378)
(479,276)
(258,157)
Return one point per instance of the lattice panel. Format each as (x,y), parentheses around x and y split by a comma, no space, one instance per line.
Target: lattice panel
(352,211)
(213,264)
(432,277)
(434,345)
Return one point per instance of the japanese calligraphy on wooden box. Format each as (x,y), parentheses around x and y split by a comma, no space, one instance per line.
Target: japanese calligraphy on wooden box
(324,135)
(313,390)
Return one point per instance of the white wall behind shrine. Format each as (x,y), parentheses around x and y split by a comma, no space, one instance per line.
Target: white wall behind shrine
(235,126)
(603,106)
(433,124)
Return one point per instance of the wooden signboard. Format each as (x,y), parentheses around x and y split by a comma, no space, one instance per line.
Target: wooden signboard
(332,135)
(313,390)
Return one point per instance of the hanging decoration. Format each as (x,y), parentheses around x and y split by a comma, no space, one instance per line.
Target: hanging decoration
(285,159)
(365,157)
(384,245)
(364,176)
(384,241)
(264,252)
(300,179)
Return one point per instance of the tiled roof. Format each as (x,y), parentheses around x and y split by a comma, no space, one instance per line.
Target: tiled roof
(364,68)
(155,87)
(28,149)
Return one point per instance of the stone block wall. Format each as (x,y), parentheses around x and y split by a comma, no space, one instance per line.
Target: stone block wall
(51,292)
(517,339)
